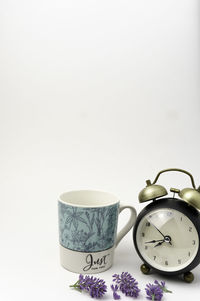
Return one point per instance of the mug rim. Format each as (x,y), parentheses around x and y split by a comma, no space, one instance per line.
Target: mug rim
(109,201)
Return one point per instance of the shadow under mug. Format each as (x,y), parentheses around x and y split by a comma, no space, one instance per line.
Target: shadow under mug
(88,229)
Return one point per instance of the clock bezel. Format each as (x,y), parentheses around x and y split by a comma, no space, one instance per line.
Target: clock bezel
(181,206)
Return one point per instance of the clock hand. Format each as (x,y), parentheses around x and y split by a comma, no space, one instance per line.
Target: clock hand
(153,241)
(166,237)
(158,230)
(159,244)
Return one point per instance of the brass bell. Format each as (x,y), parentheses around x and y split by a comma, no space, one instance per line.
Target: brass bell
(191,196)
(151,191)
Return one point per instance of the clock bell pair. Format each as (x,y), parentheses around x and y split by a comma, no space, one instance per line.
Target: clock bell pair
(167,231)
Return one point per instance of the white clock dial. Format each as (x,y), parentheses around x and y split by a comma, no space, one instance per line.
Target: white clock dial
(167,239)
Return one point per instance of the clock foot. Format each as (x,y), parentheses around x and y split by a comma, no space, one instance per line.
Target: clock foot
(188,277)
(145,269)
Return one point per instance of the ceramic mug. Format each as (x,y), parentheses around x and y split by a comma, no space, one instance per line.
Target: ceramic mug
(88,229)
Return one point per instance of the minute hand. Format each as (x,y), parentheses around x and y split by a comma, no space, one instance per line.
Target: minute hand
(153,241)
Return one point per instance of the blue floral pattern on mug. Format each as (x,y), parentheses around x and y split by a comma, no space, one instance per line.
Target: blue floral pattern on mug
(87,229)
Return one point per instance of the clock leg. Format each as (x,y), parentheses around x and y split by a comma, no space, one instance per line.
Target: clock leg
(145,269)
(188,277)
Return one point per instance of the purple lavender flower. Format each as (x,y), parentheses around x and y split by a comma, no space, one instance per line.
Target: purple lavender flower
(117,278)
(95,286)
(115,289)
(84,282)
(162,286)
(127,284)
(154,292)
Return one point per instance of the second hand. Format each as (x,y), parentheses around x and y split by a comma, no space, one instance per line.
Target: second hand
(164,236)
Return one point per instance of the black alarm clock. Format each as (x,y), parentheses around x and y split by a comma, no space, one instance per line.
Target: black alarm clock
(167,231)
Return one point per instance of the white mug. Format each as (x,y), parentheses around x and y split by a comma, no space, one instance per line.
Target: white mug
(88,229)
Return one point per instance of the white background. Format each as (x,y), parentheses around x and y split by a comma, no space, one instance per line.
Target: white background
(93,95)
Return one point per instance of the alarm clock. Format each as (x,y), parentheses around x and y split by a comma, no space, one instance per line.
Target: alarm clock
(167,231)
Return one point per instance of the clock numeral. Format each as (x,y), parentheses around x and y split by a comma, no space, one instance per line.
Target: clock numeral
(189,254)
(143,235)
(154,258)
(150,216)
(146,247)
(179,261)
(190,229)
(169,213)
(148,224)
(166,262)
(193,242)
(181,218)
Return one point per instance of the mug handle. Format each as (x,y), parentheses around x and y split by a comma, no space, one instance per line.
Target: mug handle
(128,225)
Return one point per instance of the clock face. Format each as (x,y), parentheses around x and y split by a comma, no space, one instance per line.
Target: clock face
(167,239)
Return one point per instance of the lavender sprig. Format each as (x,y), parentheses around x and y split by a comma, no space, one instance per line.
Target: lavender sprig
(95,286)
(127,284)
(115,289)
(154,292)
(162,286)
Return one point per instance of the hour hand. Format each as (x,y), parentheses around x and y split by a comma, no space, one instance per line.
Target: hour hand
(159,244)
